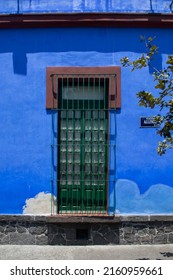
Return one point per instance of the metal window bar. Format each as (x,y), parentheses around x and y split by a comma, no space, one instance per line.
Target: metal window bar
(82,143)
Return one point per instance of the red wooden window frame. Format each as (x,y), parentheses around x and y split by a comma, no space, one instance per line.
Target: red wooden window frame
(114,85)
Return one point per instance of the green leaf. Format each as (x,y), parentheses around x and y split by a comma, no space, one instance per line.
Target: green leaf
(125,61)
(160,85)
(150,39)
(142,38)
(171,68)
(170,60)
(162,99)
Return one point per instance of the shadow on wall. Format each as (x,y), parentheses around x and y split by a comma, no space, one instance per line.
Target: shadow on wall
(84,40)
(156,63)
(20,63)
(157,200)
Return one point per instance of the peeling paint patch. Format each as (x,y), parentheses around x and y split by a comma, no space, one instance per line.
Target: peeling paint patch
(40,204)
(156,200)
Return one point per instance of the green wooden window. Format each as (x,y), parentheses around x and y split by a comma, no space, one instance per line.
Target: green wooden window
(82,103)
(82,145)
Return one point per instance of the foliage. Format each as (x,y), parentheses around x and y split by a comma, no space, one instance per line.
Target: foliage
(162,99)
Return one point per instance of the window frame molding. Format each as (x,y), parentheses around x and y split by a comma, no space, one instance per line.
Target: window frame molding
(51,99)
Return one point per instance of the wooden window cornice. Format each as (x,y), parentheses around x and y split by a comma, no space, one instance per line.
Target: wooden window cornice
(108,72)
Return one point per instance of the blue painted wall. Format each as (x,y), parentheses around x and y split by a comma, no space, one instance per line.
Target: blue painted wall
(144,181)
(42,6)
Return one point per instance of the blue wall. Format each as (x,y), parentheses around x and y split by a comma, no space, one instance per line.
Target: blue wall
(144,180)
(41,6)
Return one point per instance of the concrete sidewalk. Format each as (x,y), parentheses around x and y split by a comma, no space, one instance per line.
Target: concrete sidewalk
(116,252)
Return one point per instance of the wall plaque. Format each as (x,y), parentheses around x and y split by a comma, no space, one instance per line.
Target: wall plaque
(148,122)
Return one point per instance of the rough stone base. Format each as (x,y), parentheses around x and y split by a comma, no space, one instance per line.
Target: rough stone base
(66,230)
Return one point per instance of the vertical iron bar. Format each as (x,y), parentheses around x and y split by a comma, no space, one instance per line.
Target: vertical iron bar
(77,133)
(90,148)
(68,196)
(99,169)
(57,139)
(52,162)
(60,161)
(66,137)
(109,147)
(87,142)
(73,132)
(93,145)
(83,144)
(82,158)
(115,77)
(104,140)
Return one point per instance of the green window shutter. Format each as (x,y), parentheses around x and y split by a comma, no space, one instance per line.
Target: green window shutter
(83,102)
(82,145)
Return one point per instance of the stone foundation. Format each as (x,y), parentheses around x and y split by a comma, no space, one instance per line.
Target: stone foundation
(78,230)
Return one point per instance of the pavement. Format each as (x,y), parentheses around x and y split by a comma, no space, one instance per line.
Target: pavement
(116,252)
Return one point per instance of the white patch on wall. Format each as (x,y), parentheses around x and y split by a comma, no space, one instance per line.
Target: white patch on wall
(41,204)
(158,199)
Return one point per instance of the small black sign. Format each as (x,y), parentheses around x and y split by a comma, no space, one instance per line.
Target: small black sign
(148,122)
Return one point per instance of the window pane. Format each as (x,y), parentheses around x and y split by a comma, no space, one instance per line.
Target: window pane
(83,92)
